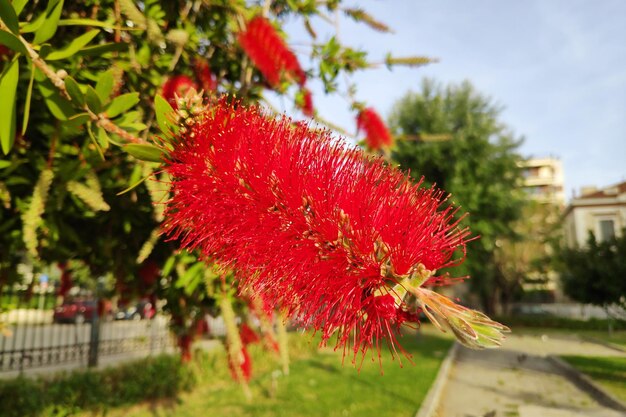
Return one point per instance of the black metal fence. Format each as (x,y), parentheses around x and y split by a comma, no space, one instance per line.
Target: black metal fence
(32,335)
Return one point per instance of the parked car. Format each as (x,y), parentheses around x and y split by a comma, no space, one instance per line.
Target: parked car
(142,309)
(79,311)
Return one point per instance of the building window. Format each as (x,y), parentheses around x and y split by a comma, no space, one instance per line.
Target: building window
(607,230)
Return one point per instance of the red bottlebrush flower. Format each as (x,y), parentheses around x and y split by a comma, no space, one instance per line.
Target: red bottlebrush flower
(245,364)
(377,134)
(204,76)
(322,230)
(177,86)
(149,273)
(247,335)
(269,52)
(305,102)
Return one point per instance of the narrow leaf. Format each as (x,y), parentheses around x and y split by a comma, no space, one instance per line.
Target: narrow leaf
(104,85)
(132,187)
(10,40)
(73,89)
(103,139)
(73,46)
(8,88)
(164,112)
(144,152)
(95,141)
(29,94)
(122,103)
(102,49)
(35,24)
(9,17)
(93,23)
(18,5)
(49,26)
(93,100)
(60,108)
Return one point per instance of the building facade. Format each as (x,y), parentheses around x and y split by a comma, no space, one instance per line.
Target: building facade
(600,211)
(543,180)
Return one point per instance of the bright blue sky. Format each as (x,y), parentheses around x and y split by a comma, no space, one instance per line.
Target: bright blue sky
(558,67)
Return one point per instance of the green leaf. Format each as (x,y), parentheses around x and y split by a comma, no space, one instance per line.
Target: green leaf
(122,103)
(95,141)
(49,26)
(13,42)
(103,139)
(93,100)
(78,120)
(133,186)
(8,88)
(73,89)
(93,23)
(4,164)
(104,86)
(60,107)
(164,113)
(34,25)
(102,49)
(29,94)
(9,17)
(73,46)
(18,5)
(144,152)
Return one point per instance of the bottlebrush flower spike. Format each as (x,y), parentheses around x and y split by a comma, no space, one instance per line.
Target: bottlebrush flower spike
(377,134)
(304,100)
(343,242)
(177,86)
(204,76)
(269,52)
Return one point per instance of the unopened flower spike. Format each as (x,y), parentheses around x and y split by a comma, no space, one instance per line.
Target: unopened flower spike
(339,240)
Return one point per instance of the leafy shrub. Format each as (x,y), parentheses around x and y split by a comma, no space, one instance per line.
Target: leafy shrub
(68,393)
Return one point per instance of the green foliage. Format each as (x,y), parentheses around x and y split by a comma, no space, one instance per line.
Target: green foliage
(158,377)
(476,162)
(594,274)
(8,89)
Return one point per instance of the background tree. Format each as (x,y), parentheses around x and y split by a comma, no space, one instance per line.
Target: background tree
(527,257)
(452,136)
(594,274)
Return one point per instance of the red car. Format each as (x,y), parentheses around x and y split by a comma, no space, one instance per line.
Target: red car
(79,311)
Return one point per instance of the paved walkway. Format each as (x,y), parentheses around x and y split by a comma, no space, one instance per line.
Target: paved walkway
(518,381)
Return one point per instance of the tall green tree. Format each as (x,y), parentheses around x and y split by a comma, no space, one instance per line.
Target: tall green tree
(594,274)
(452,136)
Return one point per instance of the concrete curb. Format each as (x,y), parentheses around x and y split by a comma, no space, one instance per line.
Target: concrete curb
(585,383)
(431,401)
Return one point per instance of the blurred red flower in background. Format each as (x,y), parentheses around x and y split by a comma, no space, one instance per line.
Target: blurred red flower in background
(269,53)
(177,86)
(376,133)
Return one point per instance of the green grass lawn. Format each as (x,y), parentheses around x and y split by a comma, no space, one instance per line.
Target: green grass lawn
(318,385)
(618,337)
(608,372)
